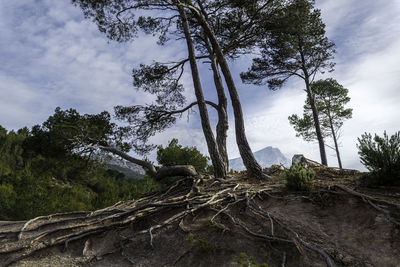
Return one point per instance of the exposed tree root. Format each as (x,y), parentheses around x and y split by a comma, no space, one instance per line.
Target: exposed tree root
(233,204)
(370,200)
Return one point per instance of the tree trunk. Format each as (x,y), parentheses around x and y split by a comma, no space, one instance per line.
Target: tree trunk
(219,166)
(316,122)
(149,168)
(248,158)
(167,171)
(335,140)
(177,170)
(314,109)
(223,124)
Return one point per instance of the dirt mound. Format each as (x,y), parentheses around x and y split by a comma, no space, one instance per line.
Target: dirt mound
(212,222)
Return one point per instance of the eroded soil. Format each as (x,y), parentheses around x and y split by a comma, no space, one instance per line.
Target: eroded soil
(203,222)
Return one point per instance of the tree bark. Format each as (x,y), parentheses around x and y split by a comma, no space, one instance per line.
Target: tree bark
(149,168)
(167,171)
(314,109)
(223,124)
(316,122)
(177,170)
(219,166)
(335,140)
(248,158)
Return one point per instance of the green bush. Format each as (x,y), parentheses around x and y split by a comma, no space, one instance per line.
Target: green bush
(176,154)
(35,181)
(7,200)
(381,156)
(299,178)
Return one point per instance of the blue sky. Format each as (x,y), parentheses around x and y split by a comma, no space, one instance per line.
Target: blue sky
(51,56)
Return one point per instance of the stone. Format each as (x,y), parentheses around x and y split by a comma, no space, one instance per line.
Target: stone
(305,162)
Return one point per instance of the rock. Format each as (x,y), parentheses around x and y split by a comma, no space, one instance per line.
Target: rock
(297,159)
(305,162)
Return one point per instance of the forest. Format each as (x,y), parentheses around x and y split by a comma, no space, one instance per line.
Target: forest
(61,205)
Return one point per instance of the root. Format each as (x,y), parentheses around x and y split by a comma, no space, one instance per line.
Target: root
(63,229)
(259,211)
(170,207)
(283,259)
(370,200)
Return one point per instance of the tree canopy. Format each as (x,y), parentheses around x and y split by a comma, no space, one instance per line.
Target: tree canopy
(330,99)
(212,29)
(297,48)
(41,173)
(176,154)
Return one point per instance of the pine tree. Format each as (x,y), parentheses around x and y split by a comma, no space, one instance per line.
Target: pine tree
(330,99)
(297,48)
(194,20)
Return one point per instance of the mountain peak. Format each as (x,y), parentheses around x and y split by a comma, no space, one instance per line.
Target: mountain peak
(266,157)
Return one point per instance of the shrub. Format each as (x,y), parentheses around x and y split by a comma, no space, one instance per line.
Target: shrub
(7,201)
(299,178)
(176,154)
(381,156)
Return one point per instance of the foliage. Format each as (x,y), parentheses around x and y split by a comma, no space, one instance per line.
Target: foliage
(299,178)
(248,261)
(234,24)
(298,47)
(381,156)
(40,174)
(7,199)
(330,98)
(176,154)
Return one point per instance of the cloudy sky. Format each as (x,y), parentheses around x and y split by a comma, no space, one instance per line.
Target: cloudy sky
(51,56)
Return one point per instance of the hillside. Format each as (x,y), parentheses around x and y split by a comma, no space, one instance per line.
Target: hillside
(267,157)
(206,222)
(130,170)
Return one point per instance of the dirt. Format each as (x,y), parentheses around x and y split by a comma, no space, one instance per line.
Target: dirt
(185,228)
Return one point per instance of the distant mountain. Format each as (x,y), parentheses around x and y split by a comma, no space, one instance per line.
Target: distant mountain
(266,157)
(129,169)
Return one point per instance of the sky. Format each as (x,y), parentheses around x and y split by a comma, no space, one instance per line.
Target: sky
(51,56)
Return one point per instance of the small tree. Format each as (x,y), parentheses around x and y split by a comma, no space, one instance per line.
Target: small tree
(381,156)
(176,154)
(297,48)
(299,178)
(330,99)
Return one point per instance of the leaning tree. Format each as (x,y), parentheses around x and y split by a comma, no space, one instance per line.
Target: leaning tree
(118,21)
(88,134)
(297,48)
(330,99)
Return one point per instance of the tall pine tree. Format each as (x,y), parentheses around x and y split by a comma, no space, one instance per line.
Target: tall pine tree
(330,99)
(297,48)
